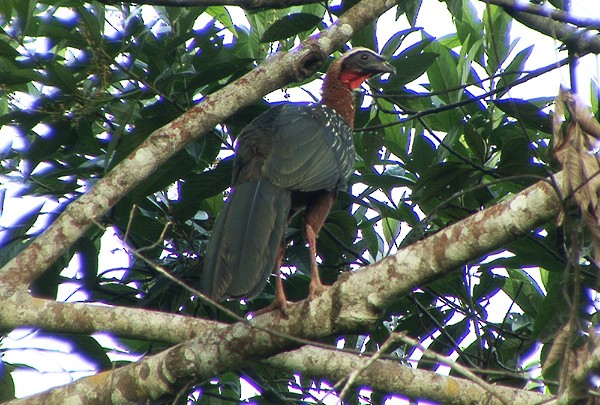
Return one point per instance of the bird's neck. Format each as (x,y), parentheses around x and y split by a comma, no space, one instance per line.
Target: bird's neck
(338,95)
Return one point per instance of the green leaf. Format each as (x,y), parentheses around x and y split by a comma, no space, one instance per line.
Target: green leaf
(594,98)
(7,385)
(514,70)
(61,77)
(444,180)
(489,285)
(221,14)
(411,63)
(93,21)
(391,230)
(423,154)
(468,25)
(340,228)
(371,240)
(555,309)
(533,251)
(366,37)
(516,157)
(443,73)
(527,112)
(6,9)
(14,237)
(188,16)
(395,41)
(25,10)
(217,67)
(409,68)
(524,291)
(411,8)
(370,145)
(385,182)
(207,184)
(475,142)
(43,147)
(290,26)
(7,50)
(496,23)
(90,349)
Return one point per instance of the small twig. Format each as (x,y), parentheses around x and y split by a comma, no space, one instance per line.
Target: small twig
(465,372)
(351,378)
(209,301)
(129,222)
(452,106)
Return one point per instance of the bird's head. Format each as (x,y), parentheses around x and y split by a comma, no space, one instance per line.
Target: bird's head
(359,64)
(347,73)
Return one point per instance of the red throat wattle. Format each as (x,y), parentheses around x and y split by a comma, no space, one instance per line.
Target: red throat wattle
(353,79)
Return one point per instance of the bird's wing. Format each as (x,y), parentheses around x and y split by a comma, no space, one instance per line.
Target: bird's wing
(311,148)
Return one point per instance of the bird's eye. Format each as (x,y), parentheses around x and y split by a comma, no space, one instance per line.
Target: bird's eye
(364,56)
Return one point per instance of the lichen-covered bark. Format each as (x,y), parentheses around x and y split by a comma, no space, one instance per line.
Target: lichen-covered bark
(350,305)
(275,72)
(387,375)
(577,40)
(353,303)
(22,310)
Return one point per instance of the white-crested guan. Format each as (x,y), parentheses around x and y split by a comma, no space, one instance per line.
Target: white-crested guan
(290,157)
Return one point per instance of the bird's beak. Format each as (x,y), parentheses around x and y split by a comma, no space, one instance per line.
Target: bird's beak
(384,67)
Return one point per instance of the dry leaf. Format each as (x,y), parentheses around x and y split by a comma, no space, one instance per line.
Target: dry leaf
(576,147)
(559,346)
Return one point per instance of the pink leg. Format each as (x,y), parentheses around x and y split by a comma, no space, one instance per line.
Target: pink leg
(280,302)
(315,287)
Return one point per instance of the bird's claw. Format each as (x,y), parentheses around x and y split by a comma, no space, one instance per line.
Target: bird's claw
(315,289)
(281,305)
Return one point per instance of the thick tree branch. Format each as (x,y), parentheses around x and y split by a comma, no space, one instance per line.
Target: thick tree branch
(387,375)
(352,304)
(275,72)
(245,4)
(21,310)
(577,40)
(558,15)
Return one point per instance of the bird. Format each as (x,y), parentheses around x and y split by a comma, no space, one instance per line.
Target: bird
(289,158)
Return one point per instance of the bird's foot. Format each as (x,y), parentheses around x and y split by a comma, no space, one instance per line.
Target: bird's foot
(277,304)
(315,288)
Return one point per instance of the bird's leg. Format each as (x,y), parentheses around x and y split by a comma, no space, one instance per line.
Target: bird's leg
(280,302)
(315,287)
(316,212)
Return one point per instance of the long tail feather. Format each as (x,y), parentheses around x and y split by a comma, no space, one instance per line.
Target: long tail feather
(242,250)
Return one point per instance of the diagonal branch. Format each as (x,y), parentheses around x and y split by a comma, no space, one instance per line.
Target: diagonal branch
(387,375)
(580,41)
(275,72)
(558,15)
(352,304)
(21,310)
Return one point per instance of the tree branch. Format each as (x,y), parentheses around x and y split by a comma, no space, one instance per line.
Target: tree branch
(557,15)
(21,310)
(275,72)
(352,304)
(387,375)
(245,4)
(577,40)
